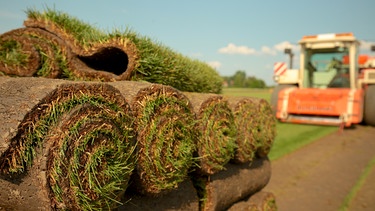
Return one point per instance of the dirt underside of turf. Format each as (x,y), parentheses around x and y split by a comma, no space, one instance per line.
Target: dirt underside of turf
(320,175)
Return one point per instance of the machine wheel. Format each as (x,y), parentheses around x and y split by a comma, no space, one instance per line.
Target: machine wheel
(369,109)
(275,95)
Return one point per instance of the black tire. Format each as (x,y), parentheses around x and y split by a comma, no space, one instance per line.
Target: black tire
(369,107)
(275,95)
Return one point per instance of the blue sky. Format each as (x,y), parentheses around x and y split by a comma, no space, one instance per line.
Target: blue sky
(232,35)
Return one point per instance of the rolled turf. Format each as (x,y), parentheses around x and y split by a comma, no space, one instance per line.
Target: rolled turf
(221,190)
(256,127)
(266,128)
(44,49)
(72,142)
(166,135)
(56,45)
(184,198)
(260,201)
(246,119)
(216,140)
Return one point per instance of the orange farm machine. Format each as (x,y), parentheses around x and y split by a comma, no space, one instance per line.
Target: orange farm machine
(334,85)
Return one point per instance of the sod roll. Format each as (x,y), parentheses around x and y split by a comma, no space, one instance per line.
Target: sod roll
(266,128)
(164,122)
(216,140)
(184,198)
(256,127)
(43,49)
(56,45)
(238,182)
(260,201)
(246,119)
(243,205)
(265,201)
(72,143)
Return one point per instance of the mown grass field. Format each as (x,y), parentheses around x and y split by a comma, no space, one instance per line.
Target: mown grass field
(289,136)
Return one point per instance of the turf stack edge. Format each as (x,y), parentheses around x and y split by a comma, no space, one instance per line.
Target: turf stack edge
(57,135)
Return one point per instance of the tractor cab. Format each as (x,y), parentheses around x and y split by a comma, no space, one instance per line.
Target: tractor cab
(328,61)
(325,91)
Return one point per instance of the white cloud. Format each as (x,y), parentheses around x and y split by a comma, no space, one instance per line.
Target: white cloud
(286,44)
(264,50)
(233,49)
(214,64)
(365,45)
(268,50)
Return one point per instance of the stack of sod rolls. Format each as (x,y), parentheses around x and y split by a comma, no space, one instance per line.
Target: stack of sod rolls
(55,45)
(94,145)
(236,135)
(104,138)
(79,144)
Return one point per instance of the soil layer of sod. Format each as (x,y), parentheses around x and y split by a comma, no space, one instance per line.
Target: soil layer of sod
(225,188)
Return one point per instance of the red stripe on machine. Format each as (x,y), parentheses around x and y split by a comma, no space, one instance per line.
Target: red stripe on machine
(279,68)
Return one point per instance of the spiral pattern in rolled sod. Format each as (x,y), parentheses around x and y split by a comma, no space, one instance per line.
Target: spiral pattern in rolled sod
(264,201)
(266,128)
(87,132)
(246,119)
(44,49)
(217,132)
(108,59)
(165,126)
(32,52)
(259,201)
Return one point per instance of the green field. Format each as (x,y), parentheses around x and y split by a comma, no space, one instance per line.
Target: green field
(289,136)
(260,93)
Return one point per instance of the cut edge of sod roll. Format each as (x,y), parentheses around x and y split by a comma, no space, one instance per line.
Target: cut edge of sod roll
(216,142)
(266,128)
(81,136)
(246,118)
(165,126)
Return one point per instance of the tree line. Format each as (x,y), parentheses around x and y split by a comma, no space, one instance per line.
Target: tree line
(240,80)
